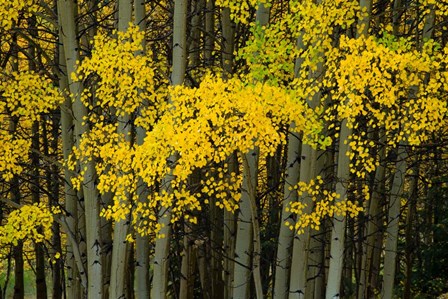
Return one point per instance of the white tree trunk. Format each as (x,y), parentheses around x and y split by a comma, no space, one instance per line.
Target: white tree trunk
(390,255)
(338,232)
(244,239)
(121,227)
(160,263)
(286,235)
(247,238)
(66,14)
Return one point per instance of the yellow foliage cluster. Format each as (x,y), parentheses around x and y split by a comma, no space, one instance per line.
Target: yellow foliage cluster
(240,10)
(386,82)
(325,204)
(393,86)
(10,10)
(30,222)
(272,51)
(199,127)
(25,96)
(122,78)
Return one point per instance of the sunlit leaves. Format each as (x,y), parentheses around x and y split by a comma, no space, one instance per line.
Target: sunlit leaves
(25,96)
(10,10)
(33,222)
(120,78)
(391,85)
(326,203)
(240,10)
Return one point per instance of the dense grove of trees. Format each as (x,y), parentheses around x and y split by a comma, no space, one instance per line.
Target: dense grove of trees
(224,148)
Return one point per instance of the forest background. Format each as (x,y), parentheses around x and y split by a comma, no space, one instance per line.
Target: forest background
(223,148)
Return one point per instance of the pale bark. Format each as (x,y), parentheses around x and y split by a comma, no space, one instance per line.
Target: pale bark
(120,246)
(160,262)
(343,173)
(187,276)
(308,171)
(195,35)
(66,14)
(244,237)
(390,250)
(247,243)
(72,285)
(281,284)
(338,232)
(397,189)
(299,263)
(315,285)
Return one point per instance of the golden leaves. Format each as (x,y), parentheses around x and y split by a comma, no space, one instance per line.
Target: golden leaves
(324,204)
(122,78)
(11,10)
(32,222)
(25,96)
(390,85)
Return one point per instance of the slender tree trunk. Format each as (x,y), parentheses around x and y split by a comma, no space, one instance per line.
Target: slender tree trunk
(142,242)
(54,187)
(142,280)
(343,174)
(308,171)
(374,220)
(209,39)
(281,283)
(273,206)
(286,235)
(244,237)
(228,32)
(41,285)
(247,221)
(187,276)
(120,246)
(229,238)
(338,232)
(409,232)
(66,14)
(316,257)
(390,255)
(216,239)
(194,39)
(229,217)
(19,284)
(160,263)
(71,200)
(299,263)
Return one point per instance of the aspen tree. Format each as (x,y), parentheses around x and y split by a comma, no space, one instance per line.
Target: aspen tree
(228,36)
(142,264)
(160,261)
(121,226)
(343,172)
(398,182)
(247,221)
(66,13)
